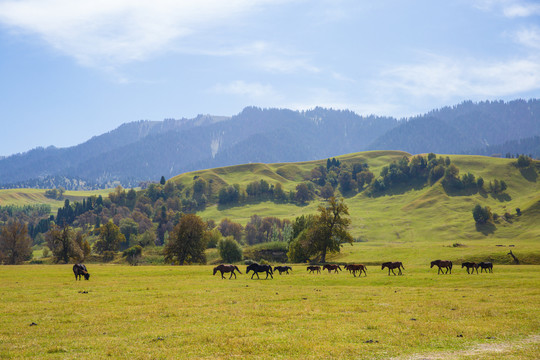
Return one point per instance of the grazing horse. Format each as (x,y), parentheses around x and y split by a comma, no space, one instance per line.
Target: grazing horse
(353,268)
(331,267)
(257,268)
(80,270)
(470,265)
(484,266)
(442,264)
(393,265)
(282,269)
(225,269)
(314,268)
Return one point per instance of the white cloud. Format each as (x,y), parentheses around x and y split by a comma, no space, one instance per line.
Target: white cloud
(112,32)
(521,10)
(254,90)
(529,37)
(510,8)
(447,78)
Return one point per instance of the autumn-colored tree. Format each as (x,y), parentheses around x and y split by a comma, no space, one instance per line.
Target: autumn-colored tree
(63,244)
(187,241)
(15,244)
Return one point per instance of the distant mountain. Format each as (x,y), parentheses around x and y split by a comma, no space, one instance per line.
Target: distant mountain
(146,150)
(464,127)
(528,146)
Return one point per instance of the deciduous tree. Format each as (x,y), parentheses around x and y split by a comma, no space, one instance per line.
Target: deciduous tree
(15,244)
(186,241)
(329,229)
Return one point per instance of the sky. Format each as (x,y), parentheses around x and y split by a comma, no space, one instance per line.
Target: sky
(73,69)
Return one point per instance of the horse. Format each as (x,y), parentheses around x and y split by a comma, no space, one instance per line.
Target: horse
(282,269)
(314,268)
(393,265)
(353,268)
(470,265)
(331,267)
(442,264)
(80,270)
(257,268)
(484,266)
(225,269)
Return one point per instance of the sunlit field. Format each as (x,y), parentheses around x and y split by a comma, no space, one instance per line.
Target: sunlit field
(170,312)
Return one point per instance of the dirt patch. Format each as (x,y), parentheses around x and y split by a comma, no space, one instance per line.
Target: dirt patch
(477,350)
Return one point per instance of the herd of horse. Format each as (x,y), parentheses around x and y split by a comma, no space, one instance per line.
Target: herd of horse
(444,267)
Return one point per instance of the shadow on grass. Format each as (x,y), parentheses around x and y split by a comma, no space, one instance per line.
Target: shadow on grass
(486,229)
(400,189)
(451,191)
(502,197)
(529,173)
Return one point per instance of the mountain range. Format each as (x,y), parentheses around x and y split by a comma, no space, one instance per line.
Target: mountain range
(146,150)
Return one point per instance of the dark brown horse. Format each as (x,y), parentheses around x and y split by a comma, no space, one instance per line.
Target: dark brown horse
(226,269)
(470,265)
(257,268)
(442,264)
(484,266)
(393,265)
(282,269)
(80,270)
(331,267)
(353,268)
(314,268)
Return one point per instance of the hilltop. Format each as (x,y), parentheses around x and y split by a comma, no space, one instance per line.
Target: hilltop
(145,150)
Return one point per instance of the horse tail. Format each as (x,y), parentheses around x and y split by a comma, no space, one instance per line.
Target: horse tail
(237,269)
(401,264)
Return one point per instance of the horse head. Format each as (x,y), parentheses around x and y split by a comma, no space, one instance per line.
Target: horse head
(86,276)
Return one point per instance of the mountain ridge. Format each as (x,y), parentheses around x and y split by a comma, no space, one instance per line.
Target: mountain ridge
(144,150)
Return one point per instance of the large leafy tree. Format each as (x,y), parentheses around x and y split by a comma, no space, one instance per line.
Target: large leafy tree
(63,243)
(329,229)
(110,238)
(187,241)
(15,244)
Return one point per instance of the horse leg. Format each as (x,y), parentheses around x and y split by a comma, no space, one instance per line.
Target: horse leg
(232,273)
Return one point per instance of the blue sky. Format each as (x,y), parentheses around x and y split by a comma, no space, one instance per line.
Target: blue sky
(73,69)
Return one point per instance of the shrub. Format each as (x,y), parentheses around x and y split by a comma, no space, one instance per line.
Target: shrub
(133,254)
(229,249)
(108,256)
(481,215)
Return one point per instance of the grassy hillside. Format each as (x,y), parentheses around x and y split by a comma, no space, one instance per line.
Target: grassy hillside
(418,224)
(21,197)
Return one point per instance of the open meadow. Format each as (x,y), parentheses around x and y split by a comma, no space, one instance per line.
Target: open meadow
(173,312)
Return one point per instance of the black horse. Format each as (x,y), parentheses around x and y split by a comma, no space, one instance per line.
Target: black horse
(257,268)
(393,265)
(484,266)
(442,264)
(80,270)
(283,269)
(470,265)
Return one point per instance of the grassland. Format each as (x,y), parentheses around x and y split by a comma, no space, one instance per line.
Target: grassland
(165,312)
(21,197)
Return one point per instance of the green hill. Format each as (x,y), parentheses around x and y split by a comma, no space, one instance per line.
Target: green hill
(416,224)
